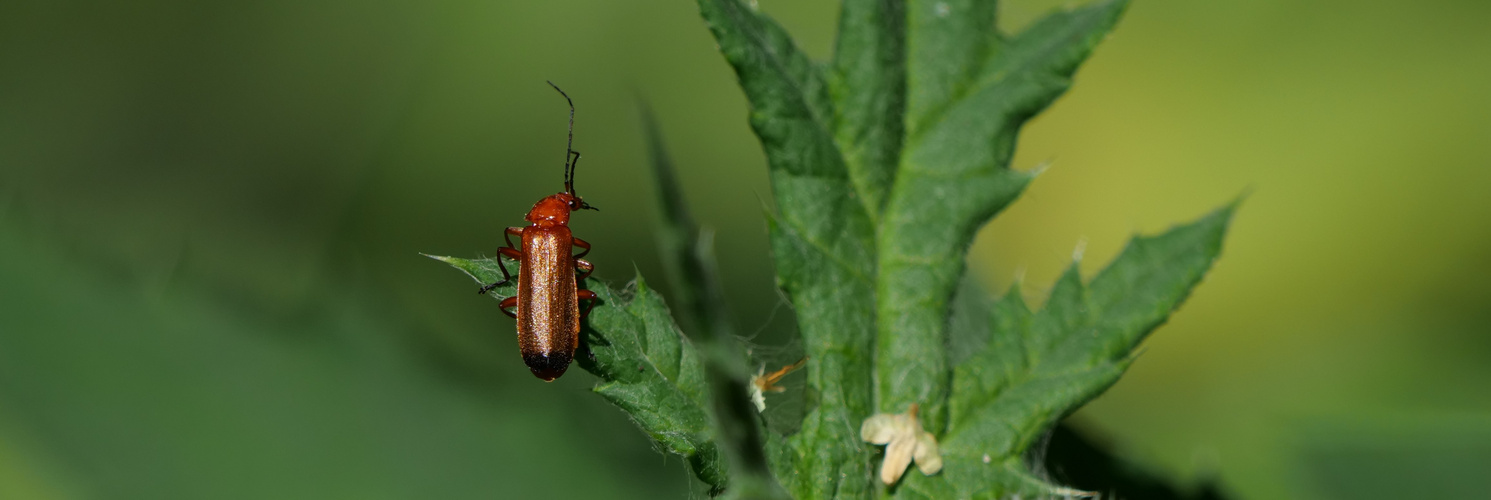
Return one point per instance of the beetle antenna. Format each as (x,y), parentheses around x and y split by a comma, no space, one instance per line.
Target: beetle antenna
(569,149)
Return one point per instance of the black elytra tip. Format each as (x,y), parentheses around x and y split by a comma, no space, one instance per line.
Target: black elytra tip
(548,368)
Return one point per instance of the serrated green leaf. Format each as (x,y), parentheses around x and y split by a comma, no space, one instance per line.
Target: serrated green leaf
(485,271)
(822,239)
(1038,367)
(646,365)
(969,91)
(915,134)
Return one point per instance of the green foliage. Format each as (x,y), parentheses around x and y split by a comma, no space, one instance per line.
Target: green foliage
(963,113)
(884,164)
(823,241)
(1037,367)
(647,367)
(689,258)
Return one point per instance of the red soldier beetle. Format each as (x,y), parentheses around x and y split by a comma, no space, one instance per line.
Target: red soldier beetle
(547,303)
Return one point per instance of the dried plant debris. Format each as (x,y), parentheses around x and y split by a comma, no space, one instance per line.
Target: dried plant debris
(905,442)
(762,383)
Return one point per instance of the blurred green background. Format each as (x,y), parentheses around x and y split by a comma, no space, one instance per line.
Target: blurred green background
(210,214)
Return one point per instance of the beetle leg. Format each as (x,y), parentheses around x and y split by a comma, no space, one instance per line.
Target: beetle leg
(582,244)
(509,303)
(585,268)
(511,253)
(508,234)
(590,298)
(586,295)
(488,287)
(506,277)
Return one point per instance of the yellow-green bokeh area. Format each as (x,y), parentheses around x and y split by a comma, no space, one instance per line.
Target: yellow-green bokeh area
(210,215)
